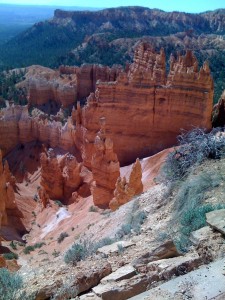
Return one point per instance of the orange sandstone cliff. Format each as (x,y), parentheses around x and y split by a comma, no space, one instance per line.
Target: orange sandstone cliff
(66,85)
(145,109)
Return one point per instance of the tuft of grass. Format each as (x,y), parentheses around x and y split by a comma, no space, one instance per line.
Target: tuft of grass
(55,253)
(93,209)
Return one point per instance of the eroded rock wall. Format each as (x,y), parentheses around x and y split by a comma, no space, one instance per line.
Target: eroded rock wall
(144,108)
(7,196)
(66,85)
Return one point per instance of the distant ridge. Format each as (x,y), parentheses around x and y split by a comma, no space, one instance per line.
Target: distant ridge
(109,36)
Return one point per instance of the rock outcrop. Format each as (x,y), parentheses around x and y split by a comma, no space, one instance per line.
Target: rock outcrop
(218,119)
(105,168)
(17,126)
(60,177)
(7,196)
(145,109)
(149,108)
(126,190)
(66,85)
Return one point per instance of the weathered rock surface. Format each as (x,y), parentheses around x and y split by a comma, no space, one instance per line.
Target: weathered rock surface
(166,268)
(200,235)
(205,283)
(113,248)
(126,288)
(2,262)
(218,114)
(156,106)
(125,272)
(83,281)
(60,177)
(105,168)
(216,219)
(7,195)
(17,126)
(166,250)
(66,85)
(126,190)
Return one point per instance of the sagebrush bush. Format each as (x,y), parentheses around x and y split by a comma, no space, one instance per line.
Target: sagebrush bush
(76,253)
(191,220)
(9,284)
(194,147)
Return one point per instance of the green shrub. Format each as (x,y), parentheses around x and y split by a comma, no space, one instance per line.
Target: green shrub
(10,255)
(76,253)
(39,245)
(62,236)
(13,245)
(9,285)
(28,249)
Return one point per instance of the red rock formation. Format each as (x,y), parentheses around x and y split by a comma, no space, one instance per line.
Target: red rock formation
(218,119)
(2,262)
(145,110)
(16,126)
(71,176)
(60,177)
(105,168)
(7,195)
(126,190)
(66,85)
(43,196)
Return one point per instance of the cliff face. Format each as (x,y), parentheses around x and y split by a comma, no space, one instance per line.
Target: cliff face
(144,108)
(66,85)
(149,108)
(7,195)
(16,126)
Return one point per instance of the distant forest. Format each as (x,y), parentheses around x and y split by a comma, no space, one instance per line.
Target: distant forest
(16,18)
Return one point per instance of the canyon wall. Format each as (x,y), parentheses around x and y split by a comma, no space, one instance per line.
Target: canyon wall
(66,85)
(145,109)
(8,205)
(17,126)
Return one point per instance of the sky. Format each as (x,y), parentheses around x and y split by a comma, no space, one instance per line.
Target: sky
(167,5)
